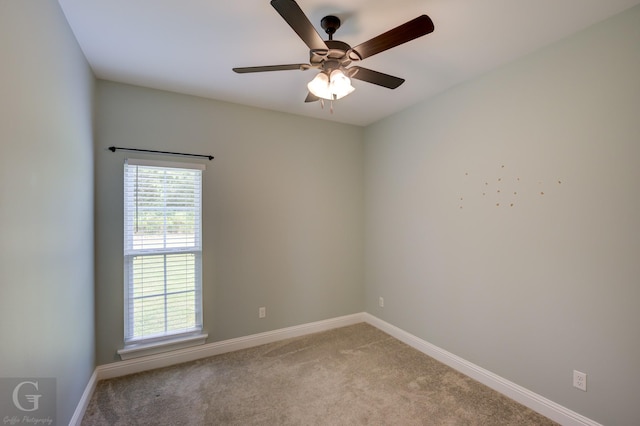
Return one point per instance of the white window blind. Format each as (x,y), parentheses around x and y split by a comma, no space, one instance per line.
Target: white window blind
(162,249)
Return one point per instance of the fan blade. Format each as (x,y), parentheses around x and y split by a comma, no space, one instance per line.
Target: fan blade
(272,68)
(299,22)
(311,98)
(375,77)
(408,31)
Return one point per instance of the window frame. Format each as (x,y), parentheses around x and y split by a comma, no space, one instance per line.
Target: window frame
(182,336)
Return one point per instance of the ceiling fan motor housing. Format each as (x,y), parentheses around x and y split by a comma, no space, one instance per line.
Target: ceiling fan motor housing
(335,56)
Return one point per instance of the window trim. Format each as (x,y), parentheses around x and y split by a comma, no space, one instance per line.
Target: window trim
(135,347)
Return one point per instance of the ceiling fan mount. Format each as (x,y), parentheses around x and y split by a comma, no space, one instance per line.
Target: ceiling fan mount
(332,57)
(330,25)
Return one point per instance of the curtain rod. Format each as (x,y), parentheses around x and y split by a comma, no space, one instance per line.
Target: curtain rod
(115,148)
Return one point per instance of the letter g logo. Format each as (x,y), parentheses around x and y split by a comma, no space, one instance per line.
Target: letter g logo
(33,399)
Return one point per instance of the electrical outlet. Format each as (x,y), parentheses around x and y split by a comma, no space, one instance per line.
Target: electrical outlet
(262,312)
(381,302)
(580,380)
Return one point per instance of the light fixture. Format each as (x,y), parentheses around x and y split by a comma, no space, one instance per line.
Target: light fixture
(332,85)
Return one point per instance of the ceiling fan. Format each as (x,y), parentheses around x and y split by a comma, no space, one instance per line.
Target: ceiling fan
(332,57)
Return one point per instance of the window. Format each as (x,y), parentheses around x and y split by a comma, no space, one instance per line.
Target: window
(162,250)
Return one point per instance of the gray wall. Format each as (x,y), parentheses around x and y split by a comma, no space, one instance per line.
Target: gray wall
(550,284)
(282,210)
(46,201)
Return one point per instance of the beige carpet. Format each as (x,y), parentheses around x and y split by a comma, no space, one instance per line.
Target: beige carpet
(354,375)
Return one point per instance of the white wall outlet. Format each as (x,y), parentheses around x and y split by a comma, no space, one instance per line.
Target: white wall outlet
(580,380)
(381,302)
(262,312)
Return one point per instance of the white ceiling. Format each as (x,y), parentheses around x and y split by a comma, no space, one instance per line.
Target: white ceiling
(190,46)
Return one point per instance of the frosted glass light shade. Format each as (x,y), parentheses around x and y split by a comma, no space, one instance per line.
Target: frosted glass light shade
(332,87)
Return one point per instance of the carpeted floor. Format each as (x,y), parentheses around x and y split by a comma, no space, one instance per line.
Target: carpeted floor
(355,375)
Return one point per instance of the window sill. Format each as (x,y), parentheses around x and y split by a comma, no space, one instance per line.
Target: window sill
(144,349)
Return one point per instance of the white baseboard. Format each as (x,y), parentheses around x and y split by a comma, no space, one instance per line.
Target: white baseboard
(81,408)
(166,359)
(540,404)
